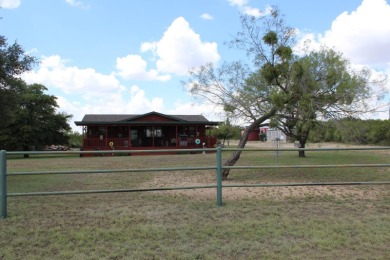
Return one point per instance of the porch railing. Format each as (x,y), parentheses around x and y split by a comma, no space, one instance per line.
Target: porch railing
(103,143)
(126,143)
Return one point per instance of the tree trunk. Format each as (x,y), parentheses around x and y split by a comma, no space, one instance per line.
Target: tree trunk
(302,144)
(25,148)
(244,138)
(236,155)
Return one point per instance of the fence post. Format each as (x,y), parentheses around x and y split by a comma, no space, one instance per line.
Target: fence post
(3,184)
(219,176)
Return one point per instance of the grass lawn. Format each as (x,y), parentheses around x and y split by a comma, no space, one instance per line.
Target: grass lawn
(337,222)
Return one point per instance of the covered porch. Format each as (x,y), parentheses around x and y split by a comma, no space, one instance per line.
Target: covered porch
(146,137)
(149,131)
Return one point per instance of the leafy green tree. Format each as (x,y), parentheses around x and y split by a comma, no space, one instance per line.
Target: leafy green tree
(226,131)
(28,116)
(13,62)
(379,131)
(37,123)
(327,88)
(354,130)
(75,139)
(278,84)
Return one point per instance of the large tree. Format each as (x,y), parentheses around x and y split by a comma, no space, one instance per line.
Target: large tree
(250,97)
(327,88)
(37,123)
(278,84)
(28,115)
(13,62)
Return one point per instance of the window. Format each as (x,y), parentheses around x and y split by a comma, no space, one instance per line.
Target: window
(158,132)
(149,132)
(191,131)
(134,135)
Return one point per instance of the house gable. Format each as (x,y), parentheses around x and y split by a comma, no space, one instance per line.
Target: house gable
(152,117)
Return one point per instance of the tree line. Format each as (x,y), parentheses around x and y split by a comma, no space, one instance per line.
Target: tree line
(347,130)
(352,131)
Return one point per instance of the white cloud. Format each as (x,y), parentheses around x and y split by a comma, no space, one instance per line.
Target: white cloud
(238,3)
(95,92)
(148,46)
(54,73)
(206,16)
(134,67)
(181,48)
(208,110)
(75,3)
(252,11)
(134,101)
(244,8)
(307,41)
(9,4)
(139,103)
(362,35)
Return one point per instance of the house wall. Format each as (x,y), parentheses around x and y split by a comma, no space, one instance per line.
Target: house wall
(254,135)
(154,118)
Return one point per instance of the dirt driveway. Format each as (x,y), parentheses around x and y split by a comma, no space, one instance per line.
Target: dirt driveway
(279,193)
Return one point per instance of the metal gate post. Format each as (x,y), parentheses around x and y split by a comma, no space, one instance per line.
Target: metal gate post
(3,184)
(219,176)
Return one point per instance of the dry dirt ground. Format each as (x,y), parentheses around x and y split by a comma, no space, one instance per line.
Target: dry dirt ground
(201,178)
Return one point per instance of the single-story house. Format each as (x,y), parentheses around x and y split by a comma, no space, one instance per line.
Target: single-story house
(145,132)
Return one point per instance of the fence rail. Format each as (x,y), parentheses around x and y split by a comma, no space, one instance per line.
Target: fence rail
(219,167)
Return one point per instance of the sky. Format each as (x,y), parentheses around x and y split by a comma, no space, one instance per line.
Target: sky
(130,56)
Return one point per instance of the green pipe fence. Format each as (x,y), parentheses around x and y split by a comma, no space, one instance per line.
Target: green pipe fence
(3,184)
(219,167)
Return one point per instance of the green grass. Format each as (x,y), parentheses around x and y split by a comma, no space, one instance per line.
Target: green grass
(169,225)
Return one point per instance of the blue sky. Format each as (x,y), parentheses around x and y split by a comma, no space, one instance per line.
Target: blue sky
(129,56)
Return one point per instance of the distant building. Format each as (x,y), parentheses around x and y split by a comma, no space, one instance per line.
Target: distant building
(274,134)
(266,134)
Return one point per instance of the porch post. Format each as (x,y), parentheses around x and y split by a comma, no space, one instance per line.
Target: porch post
(106,136)
(84,137)
(177,141)
(129,137)
(153,136)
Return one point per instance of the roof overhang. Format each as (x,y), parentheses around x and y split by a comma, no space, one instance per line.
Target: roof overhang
(90,123)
